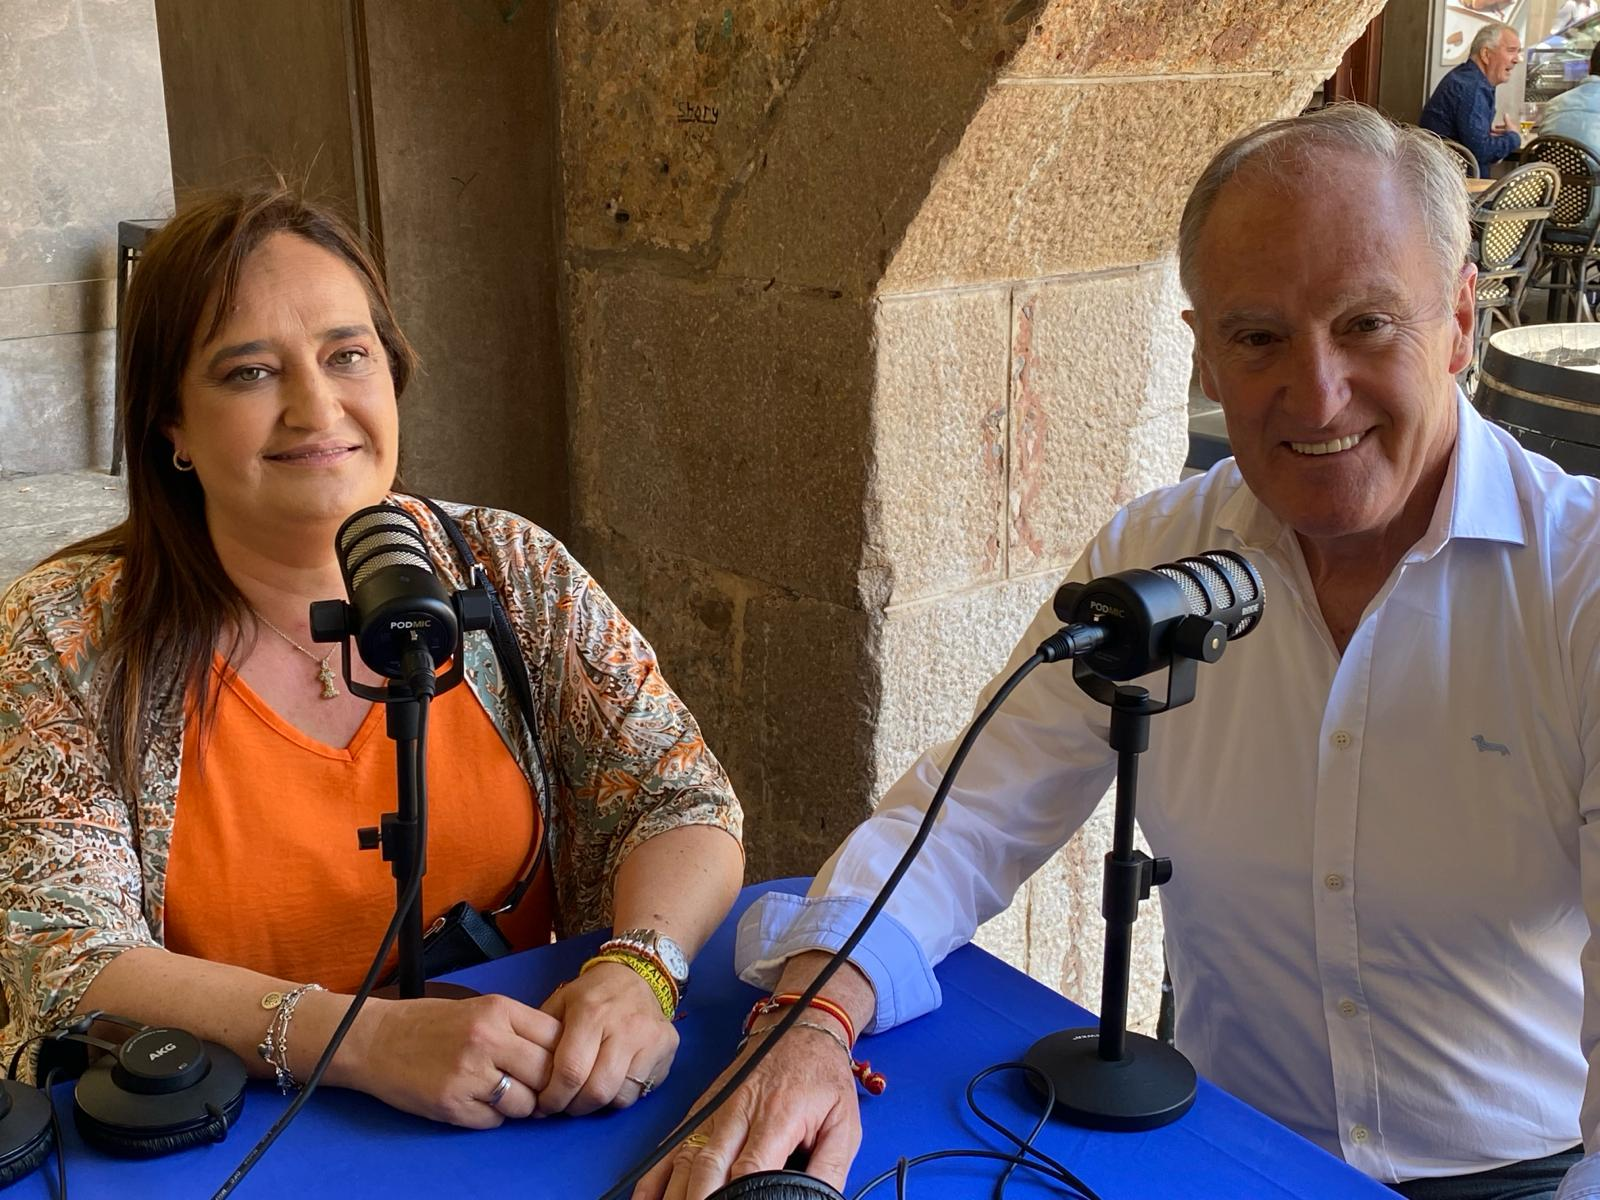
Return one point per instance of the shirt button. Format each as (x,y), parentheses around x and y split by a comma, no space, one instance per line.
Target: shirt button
(1358,1133)
(1333,882)
(1347,1008)
(1342,740)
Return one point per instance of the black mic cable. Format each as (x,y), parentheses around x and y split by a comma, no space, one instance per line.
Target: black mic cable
(1059,645)
(365,990)
(1028,1158)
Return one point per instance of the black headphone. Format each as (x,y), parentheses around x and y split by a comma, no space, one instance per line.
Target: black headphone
(24,1130)
(160,1090)
(776,1185)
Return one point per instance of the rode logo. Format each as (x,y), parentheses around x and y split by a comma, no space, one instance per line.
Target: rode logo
(155,1054)
(419,623)
(1105,610)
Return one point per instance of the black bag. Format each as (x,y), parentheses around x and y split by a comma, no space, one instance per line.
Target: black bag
(463,937)
(466,936)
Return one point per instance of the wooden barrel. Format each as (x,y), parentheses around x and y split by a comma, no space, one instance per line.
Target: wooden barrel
(1541,383)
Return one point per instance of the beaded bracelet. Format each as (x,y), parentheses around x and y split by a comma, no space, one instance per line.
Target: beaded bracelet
(660,983)
(274,1047)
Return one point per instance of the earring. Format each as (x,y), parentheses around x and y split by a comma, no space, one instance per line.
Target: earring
(179,462)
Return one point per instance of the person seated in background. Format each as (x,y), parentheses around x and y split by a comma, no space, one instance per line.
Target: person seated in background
(1575,114)
(181,777)
(1383,809)
(1462,107)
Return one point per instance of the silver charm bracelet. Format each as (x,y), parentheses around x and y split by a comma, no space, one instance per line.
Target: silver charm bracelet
(274,1047)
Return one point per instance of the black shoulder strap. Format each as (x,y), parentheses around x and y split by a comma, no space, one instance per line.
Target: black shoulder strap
(508,650)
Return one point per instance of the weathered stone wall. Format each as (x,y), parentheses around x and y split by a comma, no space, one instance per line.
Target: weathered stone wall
(83,143)
(871,322)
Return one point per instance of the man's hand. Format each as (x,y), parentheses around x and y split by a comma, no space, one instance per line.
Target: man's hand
(614,1040)
(1502,124)
(802,1095)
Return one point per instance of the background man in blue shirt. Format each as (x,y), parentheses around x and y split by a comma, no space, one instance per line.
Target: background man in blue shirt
(1462,107)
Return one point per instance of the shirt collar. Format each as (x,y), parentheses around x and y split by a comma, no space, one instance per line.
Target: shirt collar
(1477,500)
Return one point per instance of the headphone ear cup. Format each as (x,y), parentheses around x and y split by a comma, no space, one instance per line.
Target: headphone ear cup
(152,1145)
(776,1185)
(28,1162)
(25,1136)
(138,1125)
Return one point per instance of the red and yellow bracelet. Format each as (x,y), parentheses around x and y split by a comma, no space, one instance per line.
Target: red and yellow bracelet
(873,1081)
(660,983)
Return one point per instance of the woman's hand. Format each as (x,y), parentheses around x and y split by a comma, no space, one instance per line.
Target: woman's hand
(802,1095)
(615,1042)
(443,1059)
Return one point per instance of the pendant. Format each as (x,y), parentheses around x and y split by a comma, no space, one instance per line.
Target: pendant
(325,677)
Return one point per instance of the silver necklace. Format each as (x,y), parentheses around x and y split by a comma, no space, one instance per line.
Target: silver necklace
(324,671)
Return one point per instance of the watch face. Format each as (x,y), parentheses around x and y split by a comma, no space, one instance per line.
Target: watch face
(672,958)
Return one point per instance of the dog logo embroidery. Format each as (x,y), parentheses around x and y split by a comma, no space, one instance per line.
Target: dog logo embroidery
(1484,745)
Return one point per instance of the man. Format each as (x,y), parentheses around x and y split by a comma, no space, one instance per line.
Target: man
(1382,807)
(1575,113)
(1462,107)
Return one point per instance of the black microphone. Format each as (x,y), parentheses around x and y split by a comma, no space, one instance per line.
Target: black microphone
(1134,622)
(396,599)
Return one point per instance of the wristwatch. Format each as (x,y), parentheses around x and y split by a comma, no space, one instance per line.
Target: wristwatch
(658,946)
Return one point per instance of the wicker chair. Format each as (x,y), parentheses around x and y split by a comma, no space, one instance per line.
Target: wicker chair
(1508,219)
(1464,158)
(1569,259)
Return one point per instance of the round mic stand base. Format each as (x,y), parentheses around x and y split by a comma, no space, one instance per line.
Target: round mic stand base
(1150,1086)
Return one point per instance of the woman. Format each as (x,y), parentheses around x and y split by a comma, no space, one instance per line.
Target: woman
(180,781)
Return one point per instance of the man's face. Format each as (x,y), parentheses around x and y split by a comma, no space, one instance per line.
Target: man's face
(1499,59)
(1324,329)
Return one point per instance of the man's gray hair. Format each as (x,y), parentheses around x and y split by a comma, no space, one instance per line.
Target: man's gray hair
(1414,157)
(1488,35)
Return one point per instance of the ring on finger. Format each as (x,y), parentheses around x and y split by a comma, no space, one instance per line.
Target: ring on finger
(696,1140)
(500,1090)
(646,1086)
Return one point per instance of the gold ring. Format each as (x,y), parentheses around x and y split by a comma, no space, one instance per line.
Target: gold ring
(696,1140)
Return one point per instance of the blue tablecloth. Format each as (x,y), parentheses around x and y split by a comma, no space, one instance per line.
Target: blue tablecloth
(345,1144)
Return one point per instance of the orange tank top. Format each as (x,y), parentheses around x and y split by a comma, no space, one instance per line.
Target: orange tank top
(264,871)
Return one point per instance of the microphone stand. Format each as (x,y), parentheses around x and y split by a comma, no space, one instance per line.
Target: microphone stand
(402,835)
(1104,1076)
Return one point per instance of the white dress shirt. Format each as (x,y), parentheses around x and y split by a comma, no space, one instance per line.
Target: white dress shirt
(1382,859)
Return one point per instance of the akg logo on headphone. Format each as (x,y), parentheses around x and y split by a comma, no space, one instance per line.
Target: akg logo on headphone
(155,1054)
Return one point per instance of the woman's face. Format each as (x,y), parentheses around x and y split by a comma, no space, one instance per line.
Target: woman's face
(288,413)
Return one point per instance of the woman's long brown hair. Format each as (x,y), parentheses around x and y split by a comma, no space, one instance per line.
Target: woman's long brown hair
(174,601)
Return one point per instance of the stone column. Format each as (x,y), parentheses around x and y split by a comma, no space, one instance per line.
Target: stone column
(871,322)
(83,140)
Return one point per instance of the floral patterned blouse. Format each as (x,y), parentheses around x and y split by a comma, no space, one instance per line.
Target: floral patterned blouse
(83,866)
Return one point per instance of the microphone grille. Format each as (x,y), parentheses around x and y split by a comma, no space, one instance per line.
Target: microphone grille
(1219,584)
(397,556)
(389,524)
(1240,581)
(1193,594)
(377,538)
